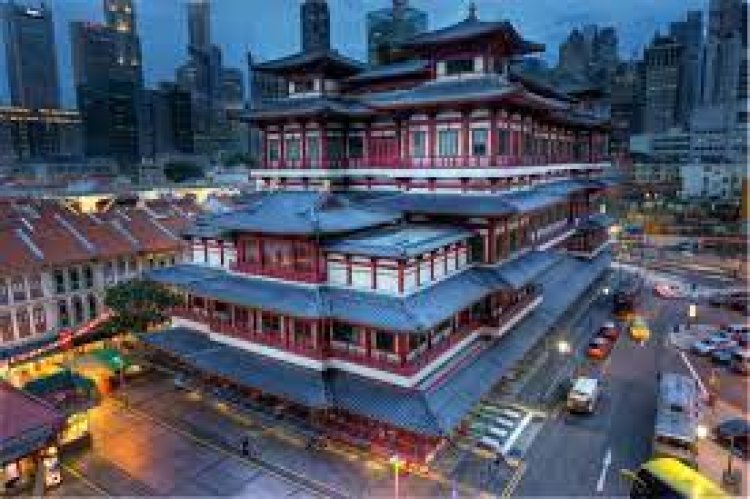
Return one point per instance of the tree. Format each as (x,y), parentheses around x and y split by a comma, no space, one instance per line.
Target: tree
(139,304)
(180,171)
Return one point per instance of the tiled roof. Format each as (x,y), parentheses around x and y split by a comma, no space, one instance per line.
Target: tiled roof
(309,106)
(433,92)
(443,203)
(26,423)
(434,407)
(44,234)
(301,213)
(469,29)
(414,66)
(401,241)
(327,59)
(415,312)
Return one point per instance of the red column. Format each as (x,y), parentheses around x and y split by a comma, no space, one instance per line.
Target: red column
(406,157)
(431,139)
(402,347)
(491,236)
(323,148)
(400,272)
(303,146)
(493,150)
(282,147)
(465,146)
(263,149)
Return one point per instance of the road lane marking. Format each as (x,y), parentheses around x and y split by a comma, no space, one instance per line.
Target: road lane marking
(605,467)
(694,373)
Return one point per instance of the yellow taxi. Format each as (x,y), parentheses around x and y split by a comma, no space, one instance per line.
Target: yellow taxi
(639,330)
(668,477)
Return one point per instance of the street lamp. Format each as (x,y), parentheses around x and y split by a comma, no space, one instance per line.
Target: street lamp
(701,431)
(396,462)
(563,347)
(692,313)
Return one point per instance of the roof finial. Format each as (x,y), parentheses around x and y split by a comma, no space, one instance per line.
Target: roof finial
(472,12)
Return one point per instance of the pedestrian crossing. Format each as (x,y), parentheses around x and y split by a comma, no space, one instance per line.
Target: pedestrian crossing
(494,427)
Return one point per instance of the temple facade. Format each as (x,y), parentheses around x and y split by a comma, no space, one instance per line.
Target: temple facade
(417,228)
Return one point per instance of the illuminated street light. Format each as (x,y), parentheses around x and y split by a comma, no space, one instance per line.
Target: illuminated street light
(692,313)
(605,291)
(701,431)
(563,347)
(396,462)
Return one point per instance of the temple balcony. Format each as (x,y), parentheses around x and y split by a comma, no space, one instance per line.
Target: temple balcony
(408,361)
(287,274)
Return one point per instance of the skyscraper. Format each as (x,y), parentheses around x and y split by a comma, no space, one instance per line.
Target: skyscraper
(316,25)
(108,95)
(689,34)
(663,68)
(30,55)
(199,24)
(388,28)
(723,52)
(589,55)
(119,16)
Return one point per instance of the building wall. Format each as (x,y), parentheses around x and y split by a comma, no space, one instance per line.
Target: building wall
(63,291)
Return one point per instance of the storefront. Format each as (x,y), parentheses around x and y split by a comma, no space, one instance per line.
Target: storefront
(28,442)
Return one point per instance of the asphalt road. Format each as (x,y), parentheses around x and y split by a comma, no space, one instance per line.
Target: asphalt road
(579,455)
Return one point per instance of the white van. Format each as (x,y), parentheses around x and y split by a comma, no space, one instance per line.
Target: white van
(583,395)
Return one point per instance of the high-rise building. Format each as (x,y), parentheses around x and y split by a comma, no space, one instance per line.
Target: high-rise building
(199,24)
(316,25)
(663,69)
(624,108)
(589,55)
(723,52)
(388,28)
(109,97)
(689,34)
(30,55)
(119,16)
(170,126)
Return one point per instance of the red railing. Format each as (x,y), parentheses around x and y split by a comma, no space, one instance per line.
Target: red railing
(310,276)
(436,162)
(384,361)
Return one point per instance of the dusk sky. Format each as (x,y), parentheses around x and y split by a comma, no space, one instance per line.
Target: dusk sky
(270,28)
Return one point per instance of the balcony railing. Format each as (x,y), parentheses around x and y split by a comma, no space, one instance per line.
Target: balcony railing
(376,359)
(310,276)
(428,162)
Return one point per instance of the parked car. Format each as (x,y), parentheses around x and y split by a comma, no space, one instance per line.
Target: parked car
(734,432)
(722,356)
(583,395)
(610,331)
(708,345)
(739,304)
(599,348)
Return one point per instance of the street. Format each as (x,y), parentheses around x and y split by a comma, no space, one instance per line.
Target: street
(580,455)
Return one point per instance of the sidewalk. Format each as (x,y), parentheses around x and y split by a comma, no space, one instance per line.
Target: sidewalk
(713,458)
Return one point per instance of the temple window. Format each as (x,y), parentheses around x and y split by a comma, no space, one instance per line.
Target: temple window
(459,66)
(448,143)
(418,144)
(271,322)
(313,148)
(293,149)
(356,146)
(479,142)
(384,341)
(503,142)
(273,149)
(344,333)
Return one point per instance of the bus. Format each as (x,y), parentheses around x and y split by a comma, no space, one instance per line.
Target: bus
(669,478)
(678,411)
(627,298)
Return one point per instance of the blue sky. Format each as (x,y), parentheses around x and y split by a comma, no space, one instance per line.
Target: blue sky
(270,28)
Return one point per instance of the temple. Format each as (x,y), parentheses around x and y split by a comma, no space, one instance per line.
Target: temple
(417,228)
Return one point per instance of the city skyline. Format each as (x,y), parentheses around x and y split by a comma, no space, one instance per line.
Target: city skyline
(241,31)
